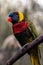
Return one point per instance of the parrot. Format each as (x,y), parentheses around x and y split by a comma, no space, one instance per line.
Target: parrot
(24,32)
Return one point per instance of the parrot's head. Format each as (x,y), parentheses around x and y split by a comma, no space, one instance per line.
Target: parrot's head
(15,17)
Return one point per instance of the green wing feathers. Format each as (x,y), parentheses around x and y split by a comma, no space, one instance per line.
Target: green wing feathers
(35,52)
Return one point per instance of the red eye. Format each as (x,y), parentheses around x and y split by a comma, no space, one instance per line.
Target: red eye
(9,19)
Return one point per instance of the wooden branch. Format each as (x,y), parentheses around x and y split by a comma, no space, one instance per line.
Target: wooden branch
(24,50)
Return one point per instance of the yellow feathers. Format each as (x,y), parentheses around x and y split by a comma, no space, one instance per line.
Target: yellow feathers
(21,16)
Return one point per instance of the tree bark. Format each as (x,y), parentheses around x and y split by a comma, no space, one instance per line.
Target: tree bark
(25,49)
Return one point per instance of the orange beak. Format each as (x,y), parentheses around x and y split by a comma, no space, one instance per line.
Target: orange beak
(9,19)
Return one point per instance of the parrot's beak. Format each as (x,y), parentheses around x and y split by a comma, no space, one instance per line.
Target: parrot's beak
(9,19)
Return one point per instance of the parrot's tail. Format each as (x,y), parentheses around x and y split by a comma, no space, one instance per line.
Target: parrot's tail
(34,57)
(34,60)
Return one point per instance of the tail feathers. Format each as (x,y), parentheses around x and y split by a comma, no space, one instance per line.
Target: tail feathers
(34,60)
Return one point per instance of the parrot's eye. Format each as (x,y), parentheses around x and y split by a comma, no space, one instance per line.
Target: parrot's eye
(9,19)
(15,18)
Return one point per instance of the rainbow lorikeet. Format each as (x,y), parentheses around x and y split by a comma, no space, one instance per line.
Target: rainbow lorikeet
(24,34)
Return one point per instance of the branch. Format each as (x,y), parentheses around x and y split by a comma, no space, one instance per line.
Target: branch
(24,50)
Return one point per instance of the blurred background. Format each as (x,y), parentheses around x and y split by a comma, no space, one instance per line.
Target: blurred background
(8,43)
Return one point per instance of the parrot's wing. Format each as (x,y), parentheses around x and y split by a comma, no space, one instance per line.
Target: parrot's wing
(35,34)
(33,29)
